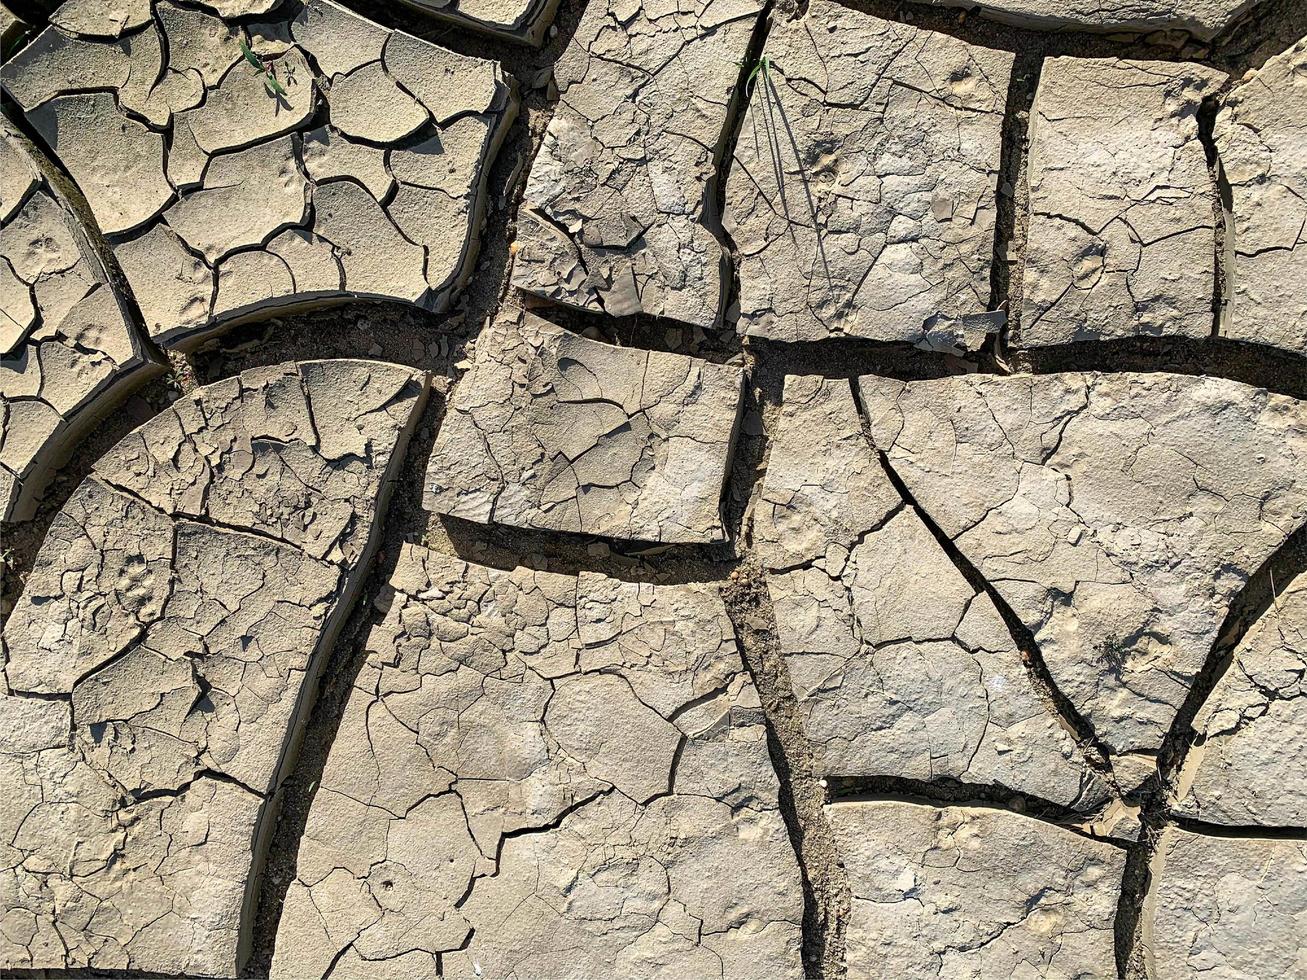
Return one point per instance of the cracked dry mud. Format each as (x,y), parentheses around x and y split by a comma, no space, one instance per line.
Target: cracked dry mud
(1121,219)
(522,742)
(861,198)
(68,351)
(241,166)
(164,652)
(555,431)
(826,495)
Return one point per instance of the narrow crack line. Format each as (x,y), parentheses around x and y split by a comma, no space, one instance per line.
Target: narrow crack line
(261,908)
(1095,753)
(641,331)
(1240,831)
(1011,236)
(827,896)
(1257,365)
(1130,907)
(1262,32)
(1223,264)
(724,155)
(851,357)
(1012,193)
(942,791)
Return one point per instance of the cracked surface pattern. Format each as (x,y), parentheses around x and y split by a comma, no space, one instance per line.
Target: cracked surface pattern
(1121,217)
(1116,514)
(953,893)
(546,775)
(900,667)
(554,431)
(1261,135)
(1226,908)
(1251,767)
(68,352)
(614,217)
(861,197)
(351,163)
(1203,19)
(159,661)
(774,587)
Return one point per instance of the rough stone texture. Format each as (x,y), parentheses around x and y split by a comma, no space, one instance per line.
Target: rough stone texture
(900,667)
(614,217)
(11,27)
(516,20)
(541,775)
(1121,239)
(229,191)
(161,659)
(1226,908)
(969,892)
(554,431)
(1116,514)
(1251,766)
(861,198)
(1261,137)
(68,352)
(1204,19)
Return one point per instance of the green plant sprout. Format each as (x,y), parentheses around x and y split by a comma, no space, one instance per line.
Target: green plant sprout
(760,67)
(274,87)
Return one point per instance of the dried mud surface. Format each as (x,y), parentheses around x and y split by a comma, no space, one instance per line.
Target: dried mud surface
(1132,817)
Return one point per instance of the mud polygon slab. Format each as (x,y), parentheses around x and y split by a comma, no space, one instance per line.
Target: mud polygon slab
(1122,209)
(968,891)
(1262,141)
(1226,907)
(163,654)
(900,667)
(617,214)
(861,199)
(1249,767)
(1117,515)
(1203,19)
(554,431)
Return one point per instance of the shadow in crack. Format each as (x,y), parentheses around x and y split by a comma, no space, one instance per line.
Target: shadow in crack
(1251,364)
(404,522)
(945,791)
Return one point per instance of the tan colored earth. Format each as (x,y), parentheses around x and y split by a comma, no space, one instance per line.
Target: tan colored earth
(545,489)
